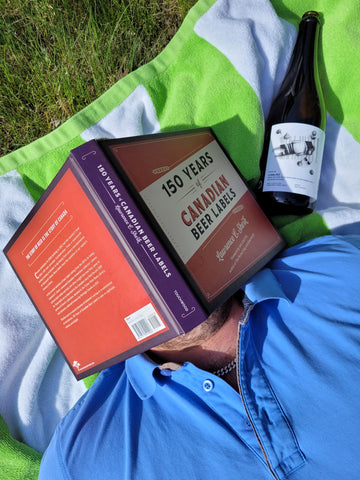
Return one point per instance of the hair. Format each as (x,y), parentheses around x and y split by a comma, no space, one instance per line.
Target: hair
(204,330)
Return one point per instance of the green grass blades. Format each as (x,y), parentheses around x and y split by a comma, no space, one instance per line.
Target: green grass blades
(57,56)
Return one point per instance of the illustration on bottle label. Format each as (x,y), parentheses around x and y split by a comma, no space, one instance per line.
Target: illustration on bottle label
(294,159)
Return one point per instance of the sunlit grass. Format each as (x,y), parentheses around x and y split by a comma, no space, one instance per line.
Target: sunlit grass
(57,56)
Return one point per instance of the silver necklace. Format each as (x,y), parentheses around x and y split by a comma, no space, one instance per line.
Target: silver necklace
(227,369)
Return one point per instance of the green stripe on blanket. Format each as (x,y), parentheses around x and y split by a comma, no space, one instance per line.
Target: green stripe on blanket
(201,100)
(17,461)
(221,70)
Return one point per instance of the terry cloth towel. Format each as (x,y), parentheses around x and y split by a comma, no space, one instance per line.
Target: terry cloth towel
(221,69)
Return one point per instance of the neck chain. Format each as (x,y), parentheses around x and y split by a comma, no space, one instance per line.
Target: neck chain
(227,369)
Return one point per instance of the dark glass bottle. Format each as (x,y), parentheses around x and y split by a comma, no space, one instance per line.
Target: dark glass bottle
(290,163)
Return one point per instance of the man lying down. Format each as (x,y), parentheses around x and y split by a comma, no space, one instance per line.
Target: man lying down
(268,387)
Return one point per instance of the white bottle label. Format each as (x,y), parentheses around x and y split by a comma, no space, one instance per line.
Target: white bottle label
(294,159)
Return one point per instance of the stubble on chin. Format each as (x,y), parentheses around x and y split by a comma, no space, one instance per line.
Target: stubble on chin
(201,333)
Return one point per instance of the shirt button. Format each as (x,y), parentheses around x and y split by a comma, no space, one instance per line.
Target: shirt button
(208,385)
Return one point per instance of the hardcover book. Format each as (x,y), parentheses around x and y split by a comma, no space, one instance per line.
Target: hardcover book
(136,241)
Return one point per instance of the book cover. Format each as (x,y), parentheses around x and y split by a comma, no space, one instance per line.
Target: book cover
(201,207)
(137,241)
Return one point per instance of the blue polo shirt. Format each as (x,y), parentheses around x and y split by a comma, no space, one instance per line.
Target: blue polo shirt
(298,412)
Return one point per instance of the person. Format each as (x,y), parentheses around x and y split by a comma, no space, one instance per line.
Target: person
(268,387)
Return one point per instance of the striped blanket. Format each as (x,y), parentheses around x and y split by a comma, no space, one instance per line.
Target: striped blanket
(221,69)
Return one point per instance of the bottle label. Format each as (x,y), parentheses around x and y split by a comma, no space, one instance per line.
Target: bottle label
(294,159)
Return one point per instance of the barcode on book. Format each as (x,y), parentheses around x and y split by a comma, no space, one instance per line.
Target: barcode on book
(144,322)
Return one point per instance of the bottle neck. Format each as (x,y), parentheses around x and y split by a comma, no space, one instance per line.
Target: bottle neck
(303,63)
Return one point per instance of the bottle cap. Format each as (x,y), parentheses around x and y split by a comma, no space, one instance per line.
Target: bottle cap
(312,14)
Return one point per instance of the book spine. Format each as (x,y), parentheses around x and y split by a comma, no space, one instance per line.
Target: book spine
(135,237)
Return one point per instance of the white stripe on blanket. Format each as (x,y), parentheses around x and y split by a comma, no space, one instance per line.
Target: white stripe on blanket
(255,40)
(339,200)
(136,115)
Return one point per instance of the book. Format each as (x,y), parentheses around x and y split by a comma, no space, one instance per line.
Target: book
(138,240)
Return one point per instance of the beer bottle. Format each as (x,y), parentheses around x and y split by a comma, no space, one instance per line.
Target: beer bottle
(294,131)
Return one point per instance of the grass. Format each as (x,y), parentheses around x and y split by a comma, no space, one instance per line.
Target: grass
(57,56)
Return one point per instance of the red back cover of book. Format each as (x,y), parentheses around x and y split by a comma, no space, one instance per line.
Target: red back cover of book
(79,279)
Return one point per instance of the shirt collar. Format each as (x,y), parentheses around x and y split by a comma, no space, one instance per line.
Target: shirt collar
(139,370)
(264,286)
